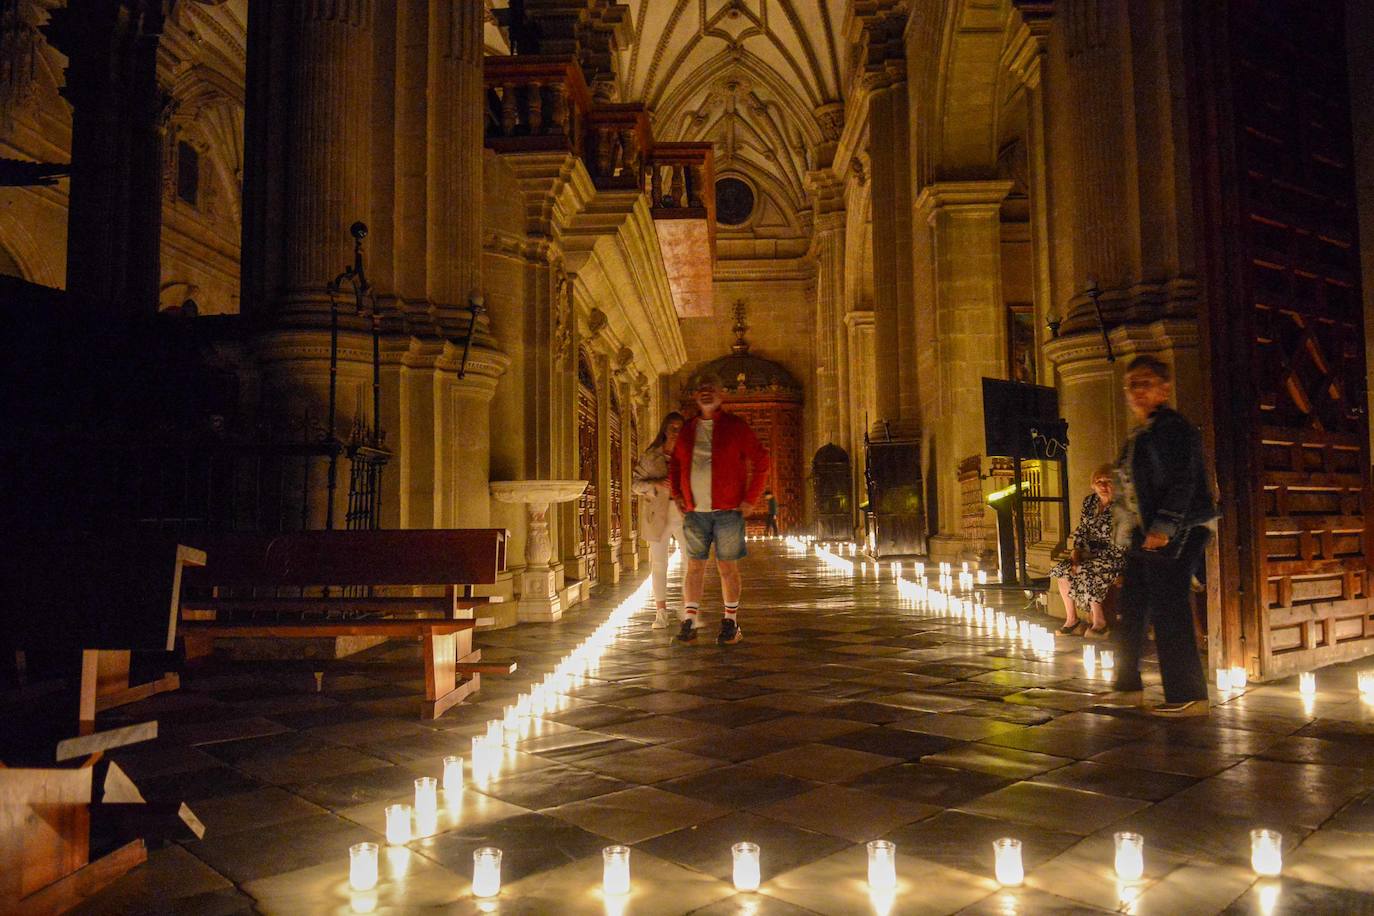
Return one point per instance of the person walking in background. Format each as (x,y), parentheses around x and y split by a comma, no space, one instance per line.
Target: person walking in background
(771,526)
(1088,572)
(660,520)
(1162,518)
(717,471)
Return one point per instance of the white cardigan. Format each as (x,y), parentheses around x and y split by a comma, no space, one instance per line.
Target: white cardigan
(659,516)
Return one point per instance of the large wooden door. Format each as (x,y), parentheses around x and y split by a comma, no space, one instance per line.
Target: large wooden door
(617,463)
(587,458)
(1284,332)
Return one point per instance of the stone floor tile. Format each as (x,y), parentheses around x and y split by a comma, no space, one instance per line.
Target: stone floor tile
(706,848)
(1053,807)
(530,844)
(838,884)
(1005,762)
(551,786)
(893,742)
(1028,901)
(228,814)
(847,813)
(739,787)
(177,880)
(1124,782)
(734,746)
(954,725)
(922,782)
(963,841)
(808,727)
(634,815)
(274,849)
(822,762)
(663,703)
(647,765)
(1163,757)
(407,882)
(351,789)
(656,886)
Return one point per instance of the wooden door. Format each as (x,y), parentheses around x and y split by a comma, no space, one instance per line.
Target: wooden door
(587,458)
(1284,332)
(617,466)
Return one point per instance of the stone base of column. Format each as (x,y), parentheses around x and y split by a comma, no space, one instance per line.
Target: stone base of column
(629,554)
(540,601)
(946,548)
(608,566)
(504,611)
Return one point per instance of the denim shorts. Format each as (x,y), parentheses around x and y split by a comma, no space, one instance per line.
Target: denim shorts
(725,529)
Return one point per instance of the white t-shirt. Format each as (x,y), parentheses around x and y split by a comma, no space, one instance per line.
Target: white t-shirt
(701,466)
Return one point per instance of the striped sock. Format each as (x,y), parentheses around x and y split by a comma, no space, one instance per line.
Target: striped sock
(731,610)
(689,612)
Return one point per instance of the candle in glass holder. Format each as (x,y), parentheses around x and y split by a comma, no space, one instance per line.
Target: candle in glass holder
(1365,679)
(426,796)
(1089,655)
(486,872)
(746,874)
(1007,861)
(512,720)
(1130,856)
(1307,684)
(1223,679)
(398,824)
(615,871)
(882,865)
(1266,852)
(453,774)
(1107,659)
(362,866)
(1239,677)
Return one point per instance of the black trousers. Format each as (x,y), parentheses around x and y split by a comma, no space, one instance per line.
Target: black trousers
(1157,590)
(771,526)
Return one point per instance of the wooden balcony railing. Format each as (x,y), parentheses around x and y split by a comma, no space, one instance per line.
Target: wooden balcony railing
(541,103)
(535,103)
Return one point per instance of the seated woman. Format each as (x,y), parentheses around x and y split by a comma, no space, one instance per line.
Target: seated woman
(1095,562)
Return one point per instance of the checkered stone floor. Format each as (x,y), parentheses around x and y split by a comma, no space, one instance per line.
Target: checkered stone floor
(839,719)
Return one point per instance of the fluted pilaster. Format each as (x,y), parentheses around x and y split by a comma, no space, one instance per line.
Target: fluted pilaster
(454,214)
(327,143)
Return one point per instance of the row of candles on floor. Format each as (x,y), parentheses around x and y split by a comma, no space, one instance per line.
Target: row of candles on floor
(1266,859)
(405,822)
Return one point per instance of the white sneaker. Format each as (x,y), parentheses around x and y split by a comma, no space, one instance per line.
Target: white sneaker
(661,619)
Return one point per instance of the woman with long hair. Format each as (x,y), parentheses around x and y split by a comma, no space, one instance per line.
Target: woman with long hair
(660,520)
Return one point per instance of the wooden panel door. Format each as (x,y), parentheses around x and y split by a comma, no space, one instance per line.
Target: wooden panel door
(587,465)
(1284,332)
(617,466)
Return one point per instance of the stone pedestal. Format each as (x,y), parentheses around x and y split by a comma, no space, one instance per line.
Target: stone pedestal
(538,582)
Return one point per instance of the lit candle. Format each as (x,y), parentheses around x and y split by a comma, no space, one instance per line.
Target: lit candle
(1089,655)
(1107,659)
(477,759)
(746,866)
(615,874)
(1307,684)
(512,720)
(362,866)
(1223,679)
(1266,852)
(398,824)
(426,796)
(1130,856)
(1366,681)
(882,865)
(1239,677)
(453,774)
(486,872)
(1007,861)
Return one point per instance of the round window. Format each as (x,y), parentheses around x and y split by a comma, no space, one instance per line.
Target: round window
(734,201)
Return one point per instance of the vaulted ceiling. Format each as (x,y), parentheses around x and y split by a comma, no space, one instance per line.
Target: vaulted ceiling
(799,40)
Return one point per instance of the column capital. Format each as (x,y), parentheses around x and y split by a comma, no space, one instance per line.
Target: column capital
(940,196)
(826,192)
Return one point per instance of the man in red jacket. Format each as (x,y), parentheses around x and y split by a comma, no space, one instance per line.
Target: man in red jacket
(716,473)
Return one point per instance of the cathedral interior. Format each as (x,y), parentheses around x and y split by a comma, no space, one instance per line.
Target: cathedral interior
(373,267)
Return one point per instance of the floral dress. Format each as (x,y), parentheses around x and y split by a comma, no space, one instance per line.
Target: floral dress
(1102,560)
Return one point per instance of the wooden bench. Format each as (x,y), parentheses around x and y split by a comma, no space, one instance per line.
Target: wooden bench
(108,600)
(454,559)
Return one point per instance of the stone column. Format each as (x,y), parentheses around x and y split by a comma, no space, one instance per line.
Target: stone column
(629,413)
(453,236)
(1102,155)
(861,394)
(893,312)
(827,202)
(962,228)
(114,215)
(327,146)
